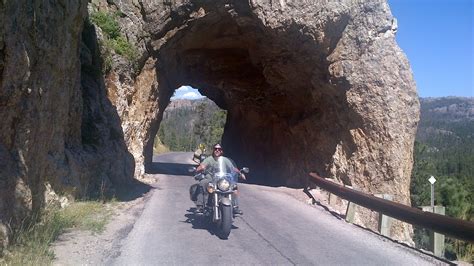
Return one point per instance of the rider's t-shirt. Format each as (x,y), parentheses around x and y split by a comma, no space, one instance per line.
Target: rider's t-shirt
(212,165)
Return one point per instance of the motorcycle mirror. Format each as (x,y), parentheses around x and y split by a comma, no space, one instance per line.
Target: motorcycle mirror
(191,169)
(246,170)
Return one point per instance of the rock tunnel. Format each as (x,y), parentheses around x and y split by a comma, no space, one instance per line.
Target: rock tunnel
(308,85)
(299,97)
(286,111)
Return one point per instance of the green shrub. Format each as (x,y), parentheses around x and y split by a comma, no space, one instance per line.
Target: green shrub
(113,40)
(107,23)
(125,48)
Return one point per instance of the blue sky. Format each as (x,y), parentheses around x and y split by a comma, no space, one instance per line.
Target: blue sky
(437,37)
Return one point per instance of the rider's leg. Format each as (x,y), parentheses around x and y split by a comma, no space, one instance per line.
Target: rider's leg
(203,194)
(235,198)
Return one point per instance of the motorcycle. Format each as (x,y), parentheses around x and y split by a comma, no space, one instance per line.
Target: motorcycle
(219,209)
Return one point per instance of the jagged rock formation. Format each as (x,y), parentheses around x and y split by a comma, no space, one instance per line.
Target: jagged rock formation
(308,85)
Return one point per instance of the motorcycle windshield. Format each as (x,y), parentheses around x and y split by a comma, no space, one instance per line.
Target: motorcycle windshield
(224,168)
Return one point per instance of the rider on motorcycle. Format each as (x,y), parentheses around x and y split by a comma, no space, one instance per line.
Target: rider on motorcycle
(211,163)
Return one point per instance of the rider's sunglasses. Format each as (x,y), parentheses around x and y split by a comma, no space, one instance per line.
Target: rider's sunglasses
(217,149)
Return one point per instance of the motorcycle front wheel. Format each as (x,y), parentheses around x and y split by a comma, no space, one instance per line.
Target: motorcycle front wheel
(226,221)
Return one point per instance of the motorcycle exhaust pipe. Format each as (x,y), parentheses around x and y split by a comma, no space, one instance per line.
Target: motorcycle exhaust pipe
(216,207)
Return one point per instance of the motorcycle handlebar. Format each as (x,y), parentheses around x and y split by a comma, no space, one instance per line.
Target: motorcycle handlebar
(198,176)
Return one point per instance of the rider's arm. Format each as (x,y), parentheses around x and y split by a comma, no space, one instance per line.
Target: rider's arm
(201,168)
(203,165)
(242,175)
(237,170)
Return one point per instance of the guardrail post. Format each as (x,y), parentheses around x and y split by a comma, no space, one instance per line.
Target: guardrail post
(351,207)
(385,222)
(331,197)
(350,211)
(436,239)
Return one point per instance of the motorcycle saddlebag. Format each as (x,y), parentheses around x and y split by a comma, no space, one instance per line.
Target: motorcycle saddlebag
(193,192)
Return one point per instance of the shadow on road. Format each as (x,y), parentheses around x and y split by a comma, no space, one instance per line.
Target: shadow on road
(333,213)
(132,191)
(315,201)
(199,221)
(169,168)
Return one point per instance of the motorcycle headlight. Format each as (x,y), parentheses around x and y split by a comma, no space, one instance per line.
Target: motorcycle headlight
(211,188)
(223,185)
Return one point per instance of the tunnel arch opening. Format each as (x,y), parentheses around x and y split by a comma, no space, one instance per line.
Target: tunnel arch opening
(190,120)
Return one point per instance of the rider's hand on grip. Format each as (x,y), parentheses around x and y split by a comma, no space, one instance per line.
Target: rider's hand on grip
(198,177)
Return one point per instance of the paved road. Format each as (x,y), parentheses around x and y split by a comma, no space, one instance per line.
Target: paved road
(275,229)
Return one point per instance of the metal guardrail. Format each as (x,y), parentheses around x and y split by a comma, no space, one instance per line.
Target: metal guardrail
(456,228)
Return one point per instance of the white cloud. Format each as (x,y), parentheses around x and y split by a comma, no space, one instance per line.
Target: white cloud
(185,89)
(191,95)
(186,92)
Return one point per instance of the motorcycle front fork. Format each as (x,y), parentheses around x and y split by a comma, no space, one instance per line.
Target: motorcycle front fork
(216,207)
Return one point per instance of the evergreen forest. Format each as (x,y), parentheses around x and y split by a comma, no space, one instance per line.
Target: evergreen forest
(187,123)
(444,148)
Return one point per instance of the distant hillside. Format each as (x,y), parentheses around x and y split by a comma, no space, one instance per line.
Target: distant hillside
(186,123)
(459,108)
(444,148)
(185,103)
(447,116)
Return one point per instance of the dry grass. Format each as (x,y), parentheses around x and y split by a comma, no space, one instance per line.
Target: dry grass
(30,244)
(159,147)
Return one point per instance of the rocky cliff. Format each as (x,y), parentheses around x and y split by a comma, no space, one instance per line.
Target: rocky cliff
(308,86)
(59,133)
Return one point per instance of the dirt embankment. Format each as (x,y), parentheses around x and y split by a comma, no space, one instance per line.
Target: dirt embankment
(79,247)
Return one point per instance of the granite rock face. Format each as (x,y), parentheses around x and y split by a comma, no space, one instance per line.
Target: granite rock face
(308,85)
(49,113)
